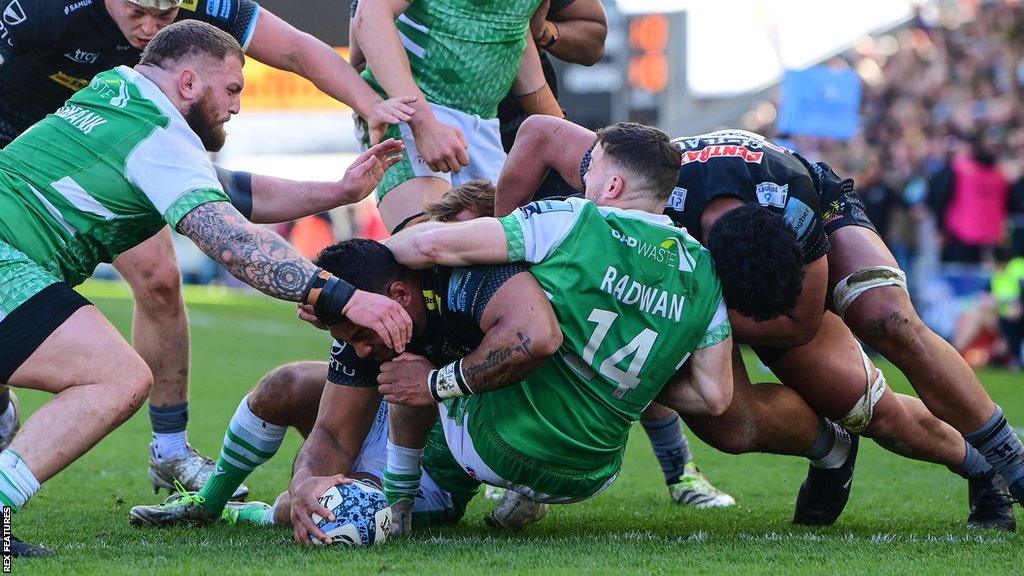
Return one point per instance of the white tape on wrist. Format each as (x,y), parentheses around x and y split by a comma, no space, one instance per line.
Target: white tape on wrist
(448,382)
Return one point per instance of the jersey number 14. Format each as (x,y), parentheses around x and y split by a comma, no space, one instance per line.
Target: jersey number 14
(639,348)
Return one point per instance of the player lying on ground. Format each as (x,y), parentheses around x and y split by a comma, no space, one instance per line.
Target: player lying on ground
(93,180)
(51,52)
(558,434)
(454,311)
(721,172)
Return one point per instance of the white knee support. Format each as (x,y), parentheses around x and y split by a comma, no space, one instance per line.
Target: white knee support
(849,288)
(858,418)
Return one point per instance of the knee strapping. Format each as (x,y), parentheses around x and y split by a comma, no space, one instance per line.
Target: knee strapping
(850,288)
(858,418)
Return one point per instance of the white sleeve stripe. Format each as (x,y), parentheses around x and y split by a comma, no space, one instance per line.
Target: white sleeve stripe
(54,212)
(81,199)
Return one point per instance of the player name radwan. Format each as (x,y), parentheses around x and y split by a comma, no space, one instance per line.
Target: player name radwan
(649,300)
(79,117)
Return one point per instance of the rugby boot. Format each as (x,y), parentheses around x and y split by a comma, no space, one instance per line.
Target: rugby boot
(246,513)
(493,492)
(991,504)
(515,511)
(825,492)
(22,549)
(192,470)
(5,440)
(183,508)
(694,489)
(401,518)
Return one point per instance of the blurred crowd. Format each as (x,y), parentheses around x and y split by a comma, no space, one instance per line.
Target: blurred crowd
(939,163)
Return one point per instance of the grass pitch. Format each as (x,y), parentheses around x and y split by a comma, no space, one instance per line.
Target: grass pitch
(904,517)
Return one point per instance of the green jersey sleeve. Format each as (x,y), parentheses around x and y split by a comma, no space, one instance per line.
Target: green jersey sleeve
(534,231)
(172,170)
(718,329)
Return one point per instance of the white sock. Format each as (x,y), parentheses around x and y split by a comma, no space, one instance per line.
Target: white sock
(169,445)
(17,483)
(8,420)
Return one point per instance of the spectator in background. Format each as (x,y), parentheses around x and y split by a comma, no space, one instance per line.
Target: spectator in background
(970,196)
(992,330)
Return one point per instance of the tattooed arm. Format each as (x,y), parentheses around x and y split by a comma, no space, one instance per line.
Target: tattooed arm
(251,253)
(520,333)
(263,260)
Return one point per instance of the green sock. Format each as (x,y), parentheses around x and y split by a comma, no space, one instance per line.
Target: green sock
(248,442)
(403,472)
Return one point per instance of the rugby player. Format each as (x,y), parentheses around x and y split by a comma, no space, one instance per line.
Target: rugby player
(558,434)
(458,59)
(52,48)
(345,422)
(716,178)
(91,181)
(448,325)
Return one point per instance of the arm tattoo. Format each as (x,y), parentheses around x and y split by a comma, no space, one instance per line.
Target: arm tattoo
(502,366)
(253,254)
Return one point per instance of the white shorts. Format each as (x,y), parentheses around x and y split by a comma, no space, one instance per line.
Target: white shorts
(460,443)
(373,458)
(486,155)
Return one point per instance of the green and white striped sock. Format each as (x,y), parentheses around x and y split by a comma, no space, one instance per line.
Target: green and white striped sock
(402,473)
(17,483)
(248,442)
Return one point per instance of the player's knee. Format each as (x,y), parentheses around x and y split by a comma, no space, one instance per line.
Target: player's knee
(132,389)
(892,328)
(160,289)
(271,399)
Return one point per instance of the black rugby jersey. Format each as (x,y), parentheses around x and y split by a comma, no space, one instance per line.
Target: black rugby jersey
(746,166)
(49,49)
(455,299)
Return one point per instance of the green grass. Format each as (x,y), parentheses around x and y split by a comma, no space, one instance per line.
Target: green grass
(904,517)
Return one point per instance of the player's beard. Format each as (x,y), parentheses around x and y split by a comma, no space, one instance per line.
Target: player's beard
(202,119)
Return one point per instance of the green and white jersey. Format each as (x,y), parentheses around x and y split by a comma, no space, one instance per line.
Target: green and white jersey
(634,296)
(464,54)
(100,175)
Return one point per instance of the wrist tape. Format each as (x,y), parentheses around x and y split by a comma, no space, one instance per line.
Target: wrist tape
(328,295)
(448,382)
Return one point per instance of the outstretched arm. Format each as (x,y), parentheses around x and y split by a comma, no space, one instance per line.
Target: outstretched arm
(271,199)
(345,416)
(477,241)
(263,260)
(542,143)
(281,45)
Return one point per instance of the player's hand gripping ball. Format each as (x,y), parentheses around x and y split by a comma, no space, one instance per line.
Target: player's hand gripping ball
(362,516)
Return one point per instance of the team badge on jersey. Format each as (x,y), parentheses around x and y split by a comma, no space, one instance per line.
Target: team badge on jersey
(678,199)
(190,5)
(772,194)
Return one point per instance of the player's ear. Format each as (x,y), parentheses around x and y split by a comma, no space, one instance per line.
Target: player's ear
(616,186)
(188,83)
(400,292)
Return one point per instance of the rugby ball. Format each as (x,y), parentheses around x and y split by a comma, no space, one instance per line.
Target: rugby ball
(362,516)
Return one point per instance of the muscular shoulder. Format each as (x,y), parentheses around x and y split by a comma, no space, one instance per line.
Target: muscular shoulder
(471,289)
